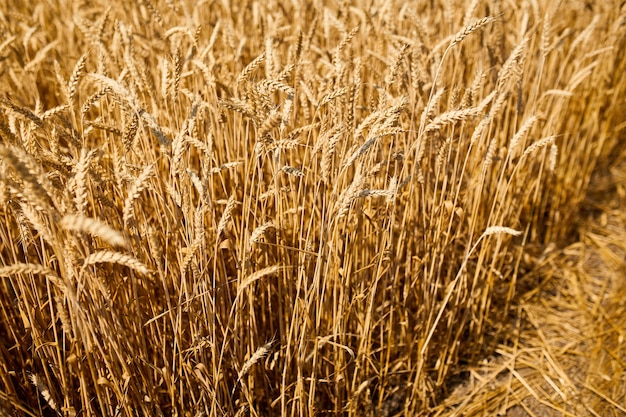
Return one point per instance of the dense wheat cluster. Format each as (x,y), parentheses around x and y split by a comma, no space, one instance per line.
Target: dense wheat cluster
(299,208)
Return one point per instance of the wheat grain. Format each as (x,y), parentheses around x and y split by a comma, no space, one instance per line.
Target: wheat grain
(347,39)
(39,222)
(165,76)
(154,244)
(271,121)
(286,113)
(116,89)
(393,70)
(190,253)
(388,194)
(95,124)
(557,93)
(328,150)
(444,150)
(580,40)
(480,129)
(92,100)
(227,165)
(471,94)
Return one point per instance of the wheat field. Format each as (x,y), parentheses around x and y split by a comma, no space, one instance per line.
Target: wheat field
(300,208)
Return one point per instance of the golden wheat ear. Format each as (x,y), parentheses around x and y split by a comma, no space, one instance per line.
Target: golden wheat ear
(93,227)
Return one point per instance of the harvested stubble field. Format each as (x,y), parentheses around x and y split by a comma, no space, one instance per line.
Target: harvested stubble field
(367,208)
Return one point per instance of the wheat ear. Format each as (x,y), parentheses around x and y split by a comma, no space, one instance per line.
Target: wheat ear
(107,256)
(44,391)
(467,30)
(94,227)
(138,186)
(256,357)
(496,230)
(78,72)
(25,268)
(226,215)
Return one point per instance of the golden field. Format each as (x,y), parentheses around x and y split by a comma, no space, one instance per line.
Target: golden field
(301,208)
